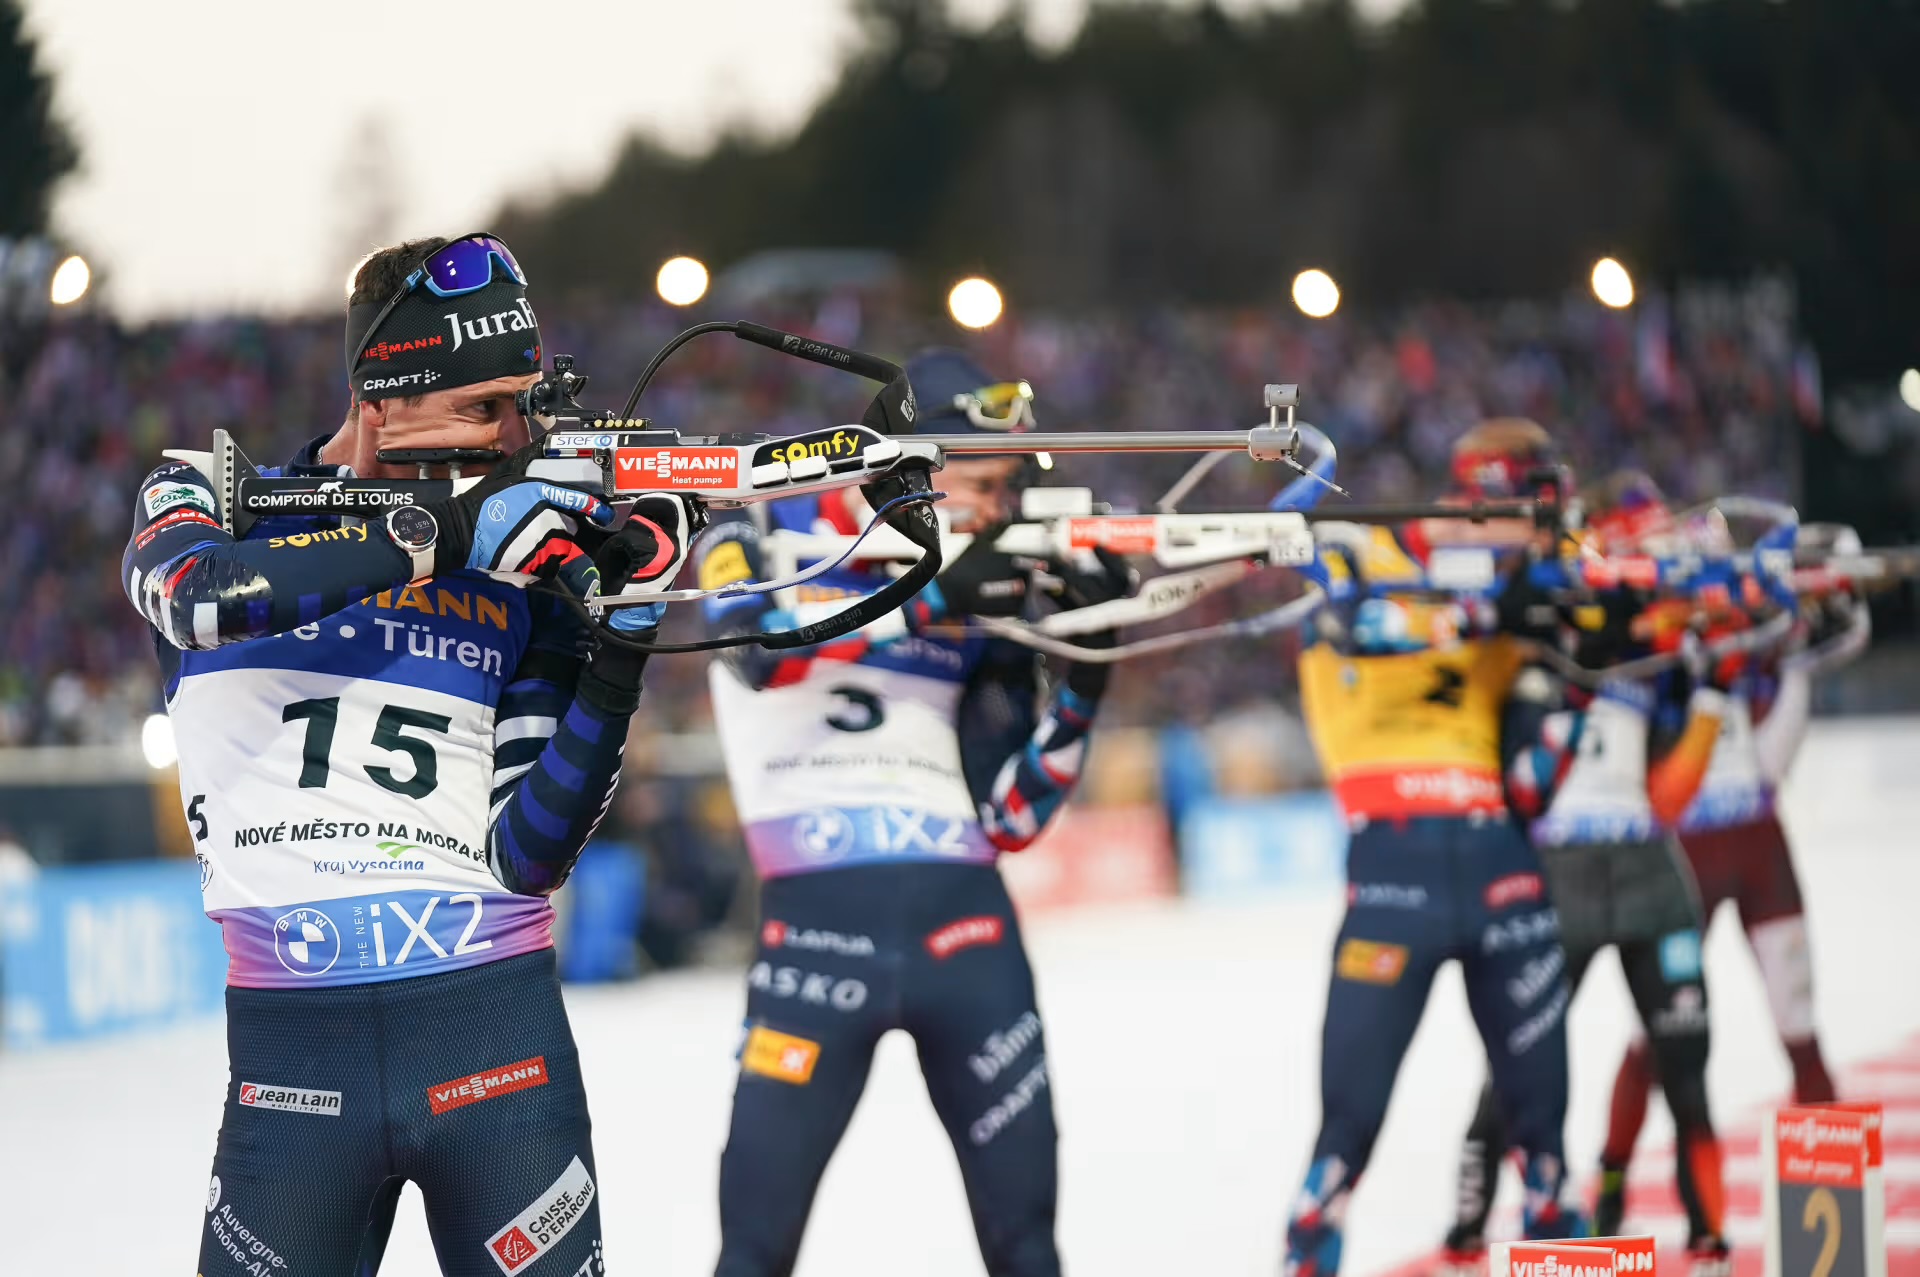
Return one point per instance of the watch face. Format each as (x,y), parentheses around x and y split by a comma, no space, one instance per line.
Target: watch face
(412,527)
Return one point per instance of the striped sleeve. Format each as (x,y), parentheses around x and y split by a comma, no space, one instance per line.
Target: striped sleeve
(1021,767)
(1035,783)
(199,588)
(556,758)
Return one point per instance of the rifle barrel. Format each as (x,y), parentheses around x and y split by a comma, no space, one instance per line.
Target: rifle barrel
(1259,441)
(1401,512)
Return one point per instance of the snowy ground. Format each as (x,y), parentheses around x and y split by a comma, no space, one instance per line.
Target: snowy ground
(1183,1041)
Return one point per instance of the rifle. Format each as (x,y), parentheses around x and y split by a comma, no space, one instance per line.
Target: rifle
(619,457)
(1208,551)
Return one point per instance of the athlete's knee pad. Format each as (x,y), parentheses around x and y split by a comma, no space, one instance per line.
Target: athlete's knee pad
(1786,966)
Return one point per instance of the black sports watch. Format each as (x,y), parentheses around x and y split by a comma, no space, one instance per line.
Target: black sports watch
(416,532)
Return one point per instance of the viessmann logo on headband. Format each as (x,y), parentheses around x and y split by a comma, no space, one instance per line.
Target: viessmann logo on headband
(388,349)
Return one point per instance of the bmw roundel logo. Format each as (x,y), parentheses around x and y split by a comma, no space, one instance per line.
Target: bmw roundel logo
(306,941)
(825,833)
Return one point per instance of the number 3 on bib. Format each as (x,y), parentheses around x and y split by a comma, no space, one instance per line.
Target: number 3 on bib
(862,713)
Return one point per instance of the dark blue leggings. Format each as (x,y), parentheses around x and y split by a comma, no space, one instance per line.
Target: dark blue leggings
(466,1083)
(845,955)
(1420,893)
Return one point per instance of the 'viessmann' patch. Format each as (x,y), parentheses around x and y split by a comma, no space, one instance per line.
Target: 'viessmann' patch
(508,1078)
(1137,535)
(651,469)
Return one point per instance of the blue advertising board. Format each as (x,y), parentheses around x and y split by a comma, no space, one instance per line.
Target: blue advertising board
(600,911)
(1235,847)
(94,949)
(87,950)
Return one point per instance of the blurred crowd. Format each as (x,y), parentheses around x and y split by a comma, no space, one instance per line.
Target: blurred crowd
(1704,391)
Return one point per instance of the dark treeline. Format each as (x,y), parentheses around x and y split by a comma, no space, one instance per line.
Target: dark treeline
(36,150)
(1469,148)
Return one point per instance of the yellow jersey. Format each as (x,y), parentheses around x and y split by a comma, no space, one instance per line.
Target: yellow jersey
(1416,731)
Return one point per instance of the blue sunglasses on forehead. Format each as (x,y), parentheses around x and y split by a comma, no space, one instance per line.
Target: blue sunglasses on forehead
(466,265)
(458,267)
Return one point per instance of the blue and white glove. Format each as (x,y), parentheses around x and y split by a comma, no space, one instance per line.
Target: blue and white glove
(645,555)
(515,528)
(530,532)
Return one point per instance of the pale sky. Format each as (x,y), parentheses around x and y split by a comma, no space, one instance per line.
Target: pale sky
(218,137)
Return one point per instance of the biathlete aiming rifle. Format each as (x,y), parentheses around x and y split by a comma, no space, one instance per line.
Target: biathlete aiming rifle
(620,457)
(1207,551)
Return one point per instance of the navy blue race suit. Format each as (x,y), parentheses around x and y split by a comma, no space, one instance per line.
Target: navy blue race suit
(1403,695)
(384,781)
(878,780)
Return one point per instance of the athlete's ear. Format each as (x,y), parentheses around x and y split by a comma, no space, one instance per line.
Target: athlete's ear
(373,415)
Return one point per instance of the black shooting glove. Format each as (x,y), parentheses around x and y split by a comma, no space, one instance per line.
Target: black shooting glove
(1526,609)
(982,581)
(1075,584)
(1603,629)
(642,556)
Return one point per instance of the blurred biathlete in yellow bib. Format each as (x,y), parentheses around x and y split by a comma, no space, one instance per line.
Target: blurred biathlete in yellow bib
(1403,687)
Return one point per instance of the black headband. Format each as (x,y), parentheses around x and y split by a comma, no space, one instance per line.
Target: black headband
(430,342)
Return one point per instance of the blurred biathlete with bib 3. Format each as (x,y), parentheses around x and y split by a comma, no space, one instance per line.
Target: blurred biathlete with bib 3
(878,778)
(394,741)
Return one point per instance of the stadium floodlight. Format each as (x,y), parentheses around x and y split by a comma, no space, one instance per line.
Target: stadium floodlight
(1315,293)
(1910,388)
(70,282)
(157,743)
(1611,284)
(682,281)
(974,303)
